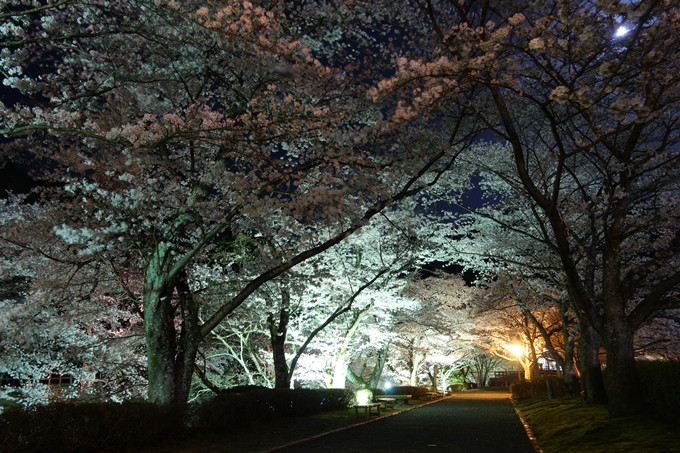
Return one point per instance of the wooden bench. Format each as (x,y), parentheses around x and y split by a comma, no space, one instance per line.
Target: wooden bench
(368,409)
(388,403)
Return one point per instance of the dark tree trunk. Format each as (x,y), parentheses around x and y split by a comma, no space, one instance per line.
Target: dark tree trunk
(357,380)
(589,357)
(189,339)
(568,368)
(379,366)
(623,385)
(278,333)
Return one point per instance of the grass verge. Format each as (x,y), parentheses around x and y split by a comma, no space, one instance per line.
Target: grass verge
(566,425)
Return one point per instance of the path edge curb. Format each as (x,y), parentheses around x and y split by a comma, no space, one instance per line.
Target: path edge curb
(527,428)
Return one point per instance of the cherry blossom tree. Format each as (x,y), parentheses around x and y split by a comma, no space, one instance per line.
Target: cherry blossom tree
(657,339)
(479,365)
(437,335)
(345,281)
(507,239)
(590,119)
(76,323)
(167,125)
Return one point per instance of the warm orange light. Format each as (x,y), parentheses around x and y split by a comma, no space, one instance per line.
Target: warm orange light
(516,349)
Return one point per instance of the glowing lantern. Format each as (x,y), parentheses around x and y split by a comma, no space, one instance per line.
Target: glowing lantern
(364,396)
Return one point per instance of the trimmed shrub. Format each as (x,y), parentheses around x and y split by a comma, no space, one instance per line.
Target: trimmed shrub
(230,411)
(538,387)
(660,388)
(110,427)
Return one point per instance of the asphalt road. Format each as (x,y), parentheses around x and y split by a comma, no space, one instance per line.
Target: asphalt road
(475,422)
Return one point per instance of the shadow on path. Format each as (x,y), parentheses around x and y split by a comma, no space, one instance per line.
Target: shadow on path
(470,422)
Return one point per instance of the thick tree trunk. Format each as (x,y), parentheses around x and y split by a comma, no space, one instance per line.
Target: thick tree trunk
(342,356)
(340,370)
(589,358)
(170,359)
(159,330)
(623,385)
(417,359)
(534,370)
(568,369)
(281,380)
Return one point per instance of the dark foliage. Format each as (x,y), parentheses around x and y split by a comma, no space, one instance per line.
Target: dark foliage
(87,427)
(242,389)
(538,387)
(229,411)
(112,427)
(660,387)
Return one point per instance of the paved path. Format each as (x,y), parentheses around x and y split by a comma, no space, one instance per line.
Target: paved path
(474,422)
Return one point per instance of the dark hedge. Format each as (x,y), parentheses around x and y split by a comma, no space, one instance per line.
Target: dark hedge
(538,387)
(229,411)
(660,388)
(88,427)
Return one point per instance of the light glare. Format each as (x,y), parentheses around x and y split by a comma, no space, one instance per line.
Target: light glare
(515,349)
(364,396)
(621,31)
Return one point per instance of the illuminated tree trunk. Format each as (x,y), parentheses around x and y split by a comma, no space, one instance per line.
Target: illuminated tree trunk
(159,329)
(170,357)
(417,359)
(339,370)
(566,361)
(374,378)
(567,365)
(533,367)
(342,356)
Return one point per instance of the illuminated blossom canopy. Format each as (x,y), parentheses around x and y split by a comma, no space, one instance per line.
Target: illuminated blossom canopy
(177,139)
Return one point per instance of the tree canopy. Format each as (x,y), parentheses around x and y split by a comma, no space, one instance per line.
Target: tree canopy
(191,155)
